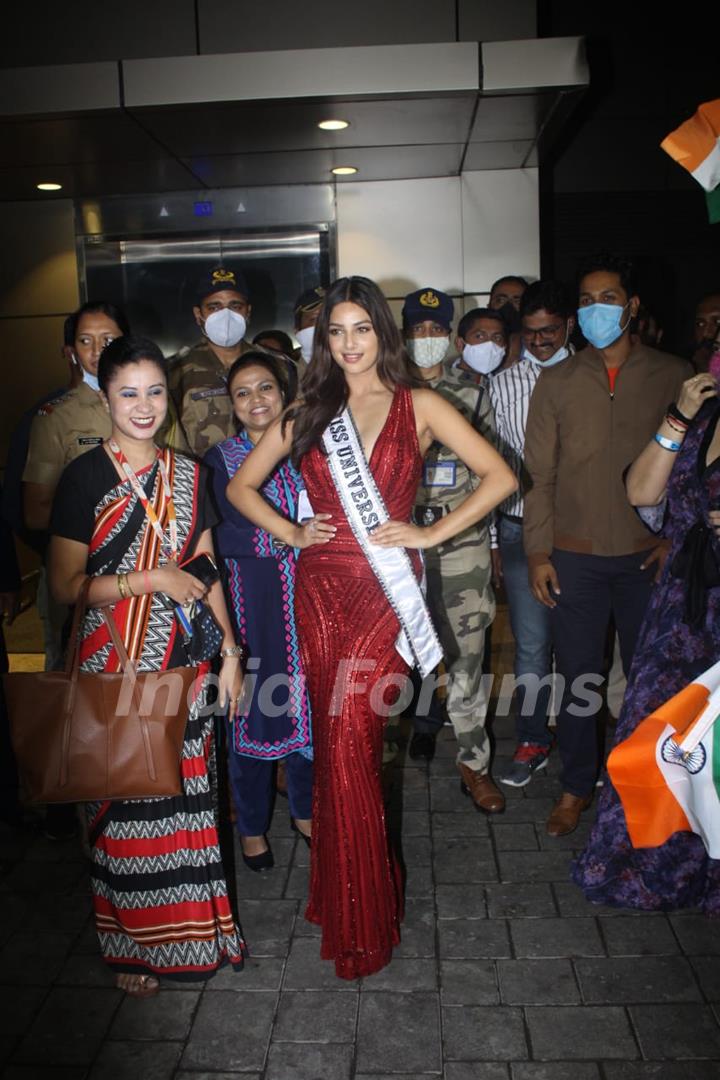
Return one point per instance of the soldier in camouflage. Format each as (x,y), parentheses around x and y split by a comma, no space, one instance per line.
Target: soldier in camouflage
(196,380)
(460,593)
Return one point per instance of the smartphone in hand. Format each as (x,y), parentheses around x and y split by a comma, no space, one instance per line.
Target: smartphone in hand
(202,567)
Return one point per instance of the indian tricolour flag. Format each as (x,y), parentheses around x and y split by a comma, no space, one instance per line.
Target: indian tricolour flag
(696,146)
(667,773)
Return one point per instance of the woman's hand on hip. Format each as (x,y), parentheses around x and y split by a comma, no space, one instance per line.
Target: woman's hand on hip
(181,587)
(401,534)
(314,531)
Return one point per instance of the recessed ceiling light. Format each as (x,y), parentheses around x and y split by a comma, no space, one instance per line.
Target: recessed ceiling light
(49,187)
(333,125)
(344,170)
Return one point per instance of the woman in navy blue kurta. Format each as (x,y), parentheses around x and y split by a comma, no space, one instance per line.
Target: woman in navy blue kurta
(273,721)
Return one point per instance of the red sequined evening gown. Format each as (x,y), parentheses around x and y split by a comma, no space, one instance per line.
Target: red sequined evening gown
(345,621)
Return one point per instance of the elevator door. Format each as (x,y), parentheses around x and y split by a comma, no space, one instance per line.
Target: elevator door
(155,279)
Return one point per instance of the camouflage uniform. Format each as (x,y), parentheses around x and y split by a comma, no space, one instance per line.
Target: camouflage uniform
(198,391)
(460,593)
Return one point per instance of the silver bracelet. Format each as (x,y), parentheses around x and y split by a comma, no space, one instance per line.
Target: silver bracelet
(233,650)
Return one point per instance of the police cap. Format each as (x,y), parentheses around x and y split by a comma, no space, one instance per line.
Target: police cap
(428,304)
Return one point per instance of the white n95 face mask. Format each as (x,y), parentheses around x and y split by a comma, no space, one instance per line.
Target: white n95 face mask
(484,357)
(225,328)
(426,352)
(306,336)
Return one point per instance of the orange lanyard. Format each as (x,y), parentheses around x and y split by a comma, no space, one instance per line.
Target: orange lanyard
(146,504)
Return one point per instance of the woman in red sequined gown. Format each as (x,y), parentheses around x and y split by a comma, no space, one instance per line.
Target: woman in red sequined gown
(347,626)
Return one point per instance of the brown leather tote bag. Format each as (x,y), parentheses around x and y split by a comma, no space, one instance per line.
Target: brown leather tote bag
(80,736)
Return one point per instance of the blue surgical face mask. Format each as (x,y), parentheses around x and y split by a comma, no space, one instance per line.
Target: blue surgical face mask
(88,378)
(91,380)
(601,324)
(556,357)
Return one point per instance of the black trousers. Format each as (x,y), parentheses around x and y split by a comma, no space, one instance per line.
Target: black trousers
(592,588)
(252,784)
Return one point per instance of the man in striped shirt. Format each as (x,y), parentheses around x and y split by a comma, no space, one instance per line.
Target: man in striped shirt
(547,321)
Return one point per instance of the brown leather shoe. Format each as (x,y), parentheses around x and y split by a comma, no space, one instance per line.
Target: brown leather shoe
(482,790)
(566,813)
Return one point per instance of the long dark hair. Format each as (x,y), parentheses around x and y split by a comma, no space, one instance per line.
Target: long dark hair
(324,388)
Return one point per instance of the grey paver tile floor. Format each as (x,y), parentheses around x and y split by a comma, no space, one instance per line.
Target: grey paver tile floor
(505,972)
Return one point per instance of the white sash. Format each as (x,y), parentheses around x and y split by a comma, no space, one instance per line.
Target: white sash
(364,508)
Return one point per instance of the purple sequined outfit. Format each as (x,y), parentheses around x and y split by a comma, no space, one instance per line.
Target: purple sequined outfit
(669,654)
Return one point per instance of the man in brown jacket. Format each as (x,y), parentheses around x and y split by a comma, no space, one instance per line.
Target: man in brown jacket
(589,554)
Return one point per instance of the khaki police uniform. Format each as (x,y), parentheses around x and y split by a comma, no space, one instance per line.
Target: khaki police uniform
(197,382)
(64,429)
(459,572)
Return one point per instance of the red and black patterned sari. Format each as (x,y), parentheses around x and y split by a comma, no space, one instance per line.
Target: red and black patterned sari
(160,897)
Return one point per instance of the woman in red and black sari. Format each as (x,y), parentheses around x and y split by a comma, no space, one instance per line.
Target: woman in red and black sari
(127,514)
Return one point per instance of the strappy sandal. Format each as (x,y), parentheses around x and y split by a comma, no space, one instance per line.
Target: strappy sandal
(138,986)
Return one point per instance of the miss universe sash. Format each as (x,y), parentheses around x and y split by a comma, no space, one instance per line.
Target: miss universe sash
(365,510)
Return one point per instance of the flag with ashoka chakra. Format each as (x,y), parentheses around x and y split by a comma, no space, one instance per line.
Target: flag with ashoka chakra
(667,772)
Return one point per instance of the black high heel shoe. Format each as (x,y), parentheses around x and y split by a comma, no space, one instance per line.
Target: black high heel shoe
(301,834)
(264,861)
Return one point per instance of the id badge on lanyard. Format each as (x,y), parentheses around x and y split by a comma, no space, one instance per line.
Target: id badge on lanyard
(440,474)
